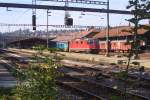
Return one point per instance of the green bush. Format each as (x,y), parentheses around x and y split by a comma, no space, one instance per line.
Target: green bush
(40,83)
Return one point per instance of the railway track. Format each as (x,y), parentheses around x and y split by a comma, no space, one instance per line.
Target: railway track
(108,69)
(9,60)
(108,82)
(99,92)
(82,84)
(7,80)
(90,89)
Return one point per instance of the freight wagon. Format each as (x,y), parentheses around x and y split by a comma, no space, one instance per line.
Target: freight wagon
(96,46)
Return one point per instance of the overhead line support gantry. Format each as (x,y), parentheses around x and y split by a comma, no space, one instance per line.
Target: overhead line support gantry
(16,5)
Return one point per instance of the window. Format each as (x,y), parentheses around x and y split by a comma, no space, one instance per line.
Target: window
(114,44)
(103,44)
(90,41)
(62,45)
(97,42)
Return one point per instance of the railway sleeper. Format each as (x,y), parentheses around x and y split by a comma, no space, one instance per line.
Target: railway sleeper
(112,89)
(109,90)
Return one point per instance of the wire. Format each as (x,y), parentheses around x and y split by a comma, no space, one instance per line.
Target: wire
(22,15)
(25,12)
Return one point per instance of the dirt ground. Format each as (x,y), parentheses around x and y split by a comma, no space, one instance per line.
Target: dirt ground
(144,61)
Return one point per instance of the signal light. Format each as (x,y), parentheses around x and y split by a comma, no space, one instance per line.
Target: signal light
(69,21)
(34,22)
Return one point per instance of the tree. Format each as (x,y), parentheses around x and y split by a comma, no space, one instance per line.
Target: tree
(140,10)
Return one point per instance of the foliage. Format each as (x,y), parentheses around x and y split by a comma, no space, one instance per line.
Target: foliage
(120,75)
(6,93)
(17,72)
(39,48)
(115,98)
(53,50)
(140,10)
(40,83)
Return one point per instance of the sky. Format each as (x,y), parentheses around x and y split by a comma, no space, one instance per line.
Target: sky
(23,16)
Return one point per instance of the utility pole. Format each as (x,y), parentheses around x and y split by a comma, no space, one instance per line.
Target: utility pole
(66,11)
(48,27)
(136,31)
(3,40)
(34,17)
(19,39)
(67,15)
(107,33)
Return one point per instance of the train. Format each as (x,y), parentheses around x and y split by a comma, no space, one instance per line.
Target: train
(97,46)
(118,41)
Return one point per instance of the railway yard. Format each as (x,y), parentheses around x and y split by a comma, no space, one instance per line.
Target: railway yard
(75,50)
(82,80)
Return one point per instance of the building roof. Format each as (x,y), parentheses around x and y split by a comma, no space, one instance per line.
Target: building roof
(71,36)
(32,39)
(117,31)
(92,33)
(97,33)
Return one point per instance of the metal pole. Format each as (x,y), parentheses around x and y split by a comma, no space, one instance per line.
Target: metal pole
(47,27)
(3,39)
(19,39)
(107,33)
(136,32)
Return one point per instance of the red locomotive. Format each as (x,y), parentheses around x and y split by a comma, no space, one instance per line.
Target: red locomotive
(84,45)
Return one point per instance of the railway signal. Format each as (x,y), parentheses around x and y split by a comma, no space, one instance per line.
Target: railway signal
(69,21)
(34,22)
(48,14)
(34,15)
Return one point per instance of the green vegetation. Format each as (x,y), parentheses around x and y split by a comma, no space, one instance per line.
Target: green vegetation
(38,82)
(120,75)
(115,98)
(53,50)
(140,10)
(5,91)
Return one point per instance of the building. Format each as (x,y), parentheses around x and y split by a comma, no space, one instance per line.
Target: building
(30,42)
(95,41)
(63,41)
(118,38)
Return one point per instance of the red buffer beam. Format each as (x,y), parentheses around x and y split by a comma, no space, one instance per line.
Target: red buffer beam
(15,5)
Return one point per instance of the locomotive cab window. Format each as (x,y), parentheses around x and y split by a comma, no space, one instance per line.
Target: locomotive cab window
(114,44)
(97,41)
(90,41)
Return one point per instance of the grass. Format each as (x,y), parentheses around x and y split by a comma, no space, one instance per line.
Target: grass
(5,91)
